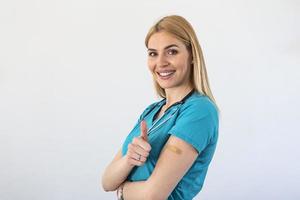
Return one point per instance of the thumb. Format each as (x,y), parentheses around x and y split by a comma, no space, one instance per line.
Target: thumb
(144,131)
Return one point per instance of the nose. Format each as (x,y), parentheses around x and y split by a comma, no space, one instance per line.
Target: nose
(162,60)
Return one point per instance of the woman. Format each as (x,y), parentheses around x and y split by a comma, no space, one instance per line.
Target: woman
(167,154)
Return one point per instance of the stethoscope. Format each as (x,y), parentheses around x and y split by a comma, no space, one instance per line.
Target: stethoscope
(154,127)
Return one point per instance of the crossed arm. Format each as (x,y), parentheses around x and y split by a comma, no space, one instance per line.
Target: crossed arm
(175,159)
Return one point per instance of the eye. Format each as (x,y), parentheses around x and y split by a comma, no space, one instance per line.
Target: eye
(172,52)
(151,54)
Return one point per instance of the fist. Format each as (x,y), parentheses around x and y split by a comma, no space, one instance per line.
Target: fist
(139,148)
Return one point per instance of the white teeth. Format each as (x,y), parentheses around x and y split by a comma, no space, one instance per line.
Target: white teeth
(165,73)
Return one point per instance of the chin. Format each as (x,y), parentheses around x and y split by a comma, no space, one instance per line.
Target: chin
(165,86)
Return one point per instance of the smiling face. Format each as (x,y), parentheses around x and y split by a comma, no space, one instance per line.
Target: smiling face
(169,60)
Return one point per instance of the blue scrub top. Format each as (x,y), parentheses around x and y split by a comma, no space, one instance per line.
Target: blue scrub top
(194,120)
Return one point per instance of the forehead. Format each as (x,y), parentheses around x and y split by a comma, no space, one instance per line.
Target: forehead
(162,39)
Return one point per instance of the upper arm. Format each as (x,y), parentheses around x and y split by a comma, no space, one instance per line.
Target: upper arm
(171,166)
(194,129)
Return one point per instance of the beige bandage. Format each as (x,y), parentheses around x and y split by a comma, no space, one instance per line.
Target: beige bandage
(174,149)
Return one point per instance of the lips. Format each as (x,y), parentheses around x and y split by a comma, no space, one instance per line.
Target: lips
(165,75)
(165,72)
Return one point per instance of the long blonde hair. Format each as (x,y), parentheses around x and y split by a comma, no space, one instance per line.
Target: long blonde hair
(180,28)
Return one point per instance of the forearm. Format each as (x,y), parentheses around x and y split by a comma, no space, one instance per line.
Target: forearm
(136,190)
(115,174)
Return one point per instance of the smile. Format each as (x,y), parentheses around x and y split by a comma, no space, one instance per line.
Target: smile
(165,75)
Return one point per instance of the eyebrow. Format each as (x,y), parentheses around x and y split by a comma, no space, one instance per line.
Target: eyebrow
(172,45)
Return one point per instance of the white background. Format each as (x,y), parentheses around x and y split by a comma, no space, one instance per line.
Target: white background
(74,79)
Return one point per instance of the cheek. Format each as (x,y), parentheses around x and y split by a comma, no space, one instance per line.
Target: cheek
(150,65)
(184,63)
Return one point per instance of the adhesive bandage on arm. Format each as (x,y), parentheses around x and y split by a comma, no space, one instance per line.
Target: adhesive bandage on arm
(173,148)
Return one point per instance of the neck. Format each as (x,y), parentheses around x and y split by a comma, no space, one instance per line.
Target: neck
(174,95)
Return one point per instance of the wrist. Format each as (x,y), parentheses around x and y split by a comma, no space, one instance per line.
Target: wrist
(128,164)
(120,191)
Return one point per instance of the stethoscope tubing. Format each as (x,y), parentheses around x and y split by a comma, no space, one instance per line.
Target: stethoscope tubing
(154,127)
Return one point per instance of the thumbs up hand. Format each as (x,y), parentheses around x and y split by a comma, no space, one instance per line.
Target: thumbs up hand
(139,148)
(144,131)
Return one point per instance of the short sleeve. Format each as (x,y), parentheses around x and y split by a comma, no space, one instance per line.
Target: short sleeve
(196,124)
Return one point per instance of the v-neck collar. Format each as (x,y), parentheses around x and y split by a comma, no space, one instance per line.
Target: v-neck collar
(164,101)
(181,101)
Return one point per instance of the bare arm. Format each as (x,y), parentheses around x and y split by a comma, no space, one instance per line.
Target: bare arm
(116,172)
(174,161)
(136,190)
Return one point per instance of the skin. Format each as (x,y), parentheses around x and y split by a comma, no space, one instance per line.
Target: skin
(139,146)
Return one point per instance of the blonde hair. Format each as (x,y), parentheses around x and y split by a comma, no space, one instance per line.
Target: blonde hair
(180,28)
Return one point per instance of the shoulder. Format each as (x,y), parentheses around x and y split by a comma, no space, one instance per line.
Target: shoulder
(197,122)
(200,105)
